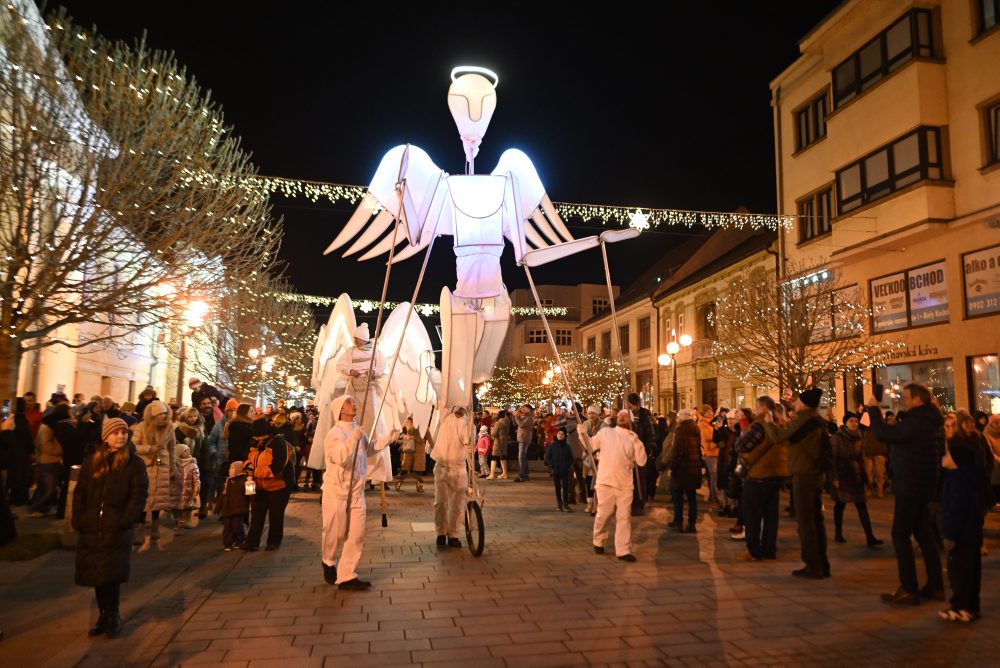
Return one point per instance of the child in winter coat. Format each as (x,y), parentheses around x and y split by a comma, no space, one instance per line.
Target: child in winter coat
(559,459)
(483,448)
(234,506)
(188,487)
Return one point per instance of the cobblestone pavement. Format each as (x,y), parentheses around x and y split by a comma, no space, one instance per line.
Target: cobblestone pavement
(538,596)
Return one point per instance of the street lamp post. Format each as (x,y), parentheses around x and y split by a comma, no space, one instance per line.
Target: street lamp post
(670,358)
(194,317)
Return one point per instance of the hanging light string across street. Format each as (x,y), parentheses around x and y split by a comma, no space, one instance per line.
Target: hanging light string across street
(627,216)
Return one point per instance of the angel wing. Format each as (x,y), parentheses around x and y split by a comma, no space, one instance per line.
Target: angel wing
(533,225)
(405,202)
(410,391)
(336,336)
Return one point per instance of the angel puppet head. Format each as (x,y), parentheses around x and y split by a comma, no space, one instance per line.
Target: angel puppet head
(472,99)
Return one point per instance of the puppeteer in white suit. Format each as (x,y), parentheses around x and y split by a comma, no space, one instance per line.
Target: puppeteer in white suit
(347,449)
(451,478)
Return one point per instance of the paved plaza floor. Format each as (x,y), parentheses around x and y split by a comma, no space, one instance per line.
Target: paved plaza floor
(538,596)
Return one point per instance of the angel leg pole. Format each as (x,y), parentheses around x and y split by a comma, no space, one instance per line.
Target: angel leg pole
(614,320)
(371,362)
(555,351)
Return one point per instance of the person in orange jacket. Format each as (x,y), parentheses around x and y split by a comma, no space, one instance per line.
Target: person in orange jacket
(709,452)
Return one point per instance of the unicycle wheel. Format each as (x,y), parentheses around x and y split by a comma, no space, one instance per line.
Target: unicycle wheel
(475,535)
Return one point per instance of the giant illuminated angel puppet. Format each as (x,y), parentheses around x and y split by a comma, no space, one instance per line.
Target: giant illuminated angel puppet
(411,201)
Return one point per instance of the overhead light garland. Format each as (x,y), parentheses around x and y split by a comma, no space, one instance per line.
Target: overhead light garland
(535,381)
(424,309)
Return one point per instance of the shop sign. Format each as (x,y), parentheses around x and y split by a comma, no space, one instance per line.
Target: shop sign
(982,281)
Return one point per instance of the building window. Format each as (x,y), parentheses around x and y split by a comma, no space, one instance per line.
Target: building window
(680,323)
(911,158)
(706,320)
(606,345)
(984,383)
(937,375)
(537,336)
(810,122)
(623,338)
(564,337)
(908,38)
(591,345)
(545,302)
(991,125)
(989,14)
(909,298)
(644,387)
(644,342)
(815,214)
(599,306)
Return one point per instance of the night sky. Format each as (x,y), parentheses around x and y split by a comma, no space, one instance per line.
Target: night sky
(665,110)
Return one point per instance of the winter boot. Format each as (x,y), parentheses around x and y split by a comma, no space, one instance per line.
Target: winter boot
(866,524)
(114,624)
(139,536)
(503,469)
(101,626)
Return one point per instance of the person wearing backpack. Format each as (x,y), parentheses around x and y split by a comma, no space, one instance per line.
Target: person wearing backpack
(809,457)
(270,466)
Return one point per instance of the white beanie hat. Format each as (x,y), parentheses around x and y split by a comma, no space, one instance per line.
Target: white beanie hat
(361,332)
(337,404)
(684,414)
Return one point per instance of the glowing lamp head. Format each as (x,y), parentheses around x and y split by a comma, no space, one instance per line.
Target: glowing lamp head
(472,99)
(673,348)
(686,340)
(663,360)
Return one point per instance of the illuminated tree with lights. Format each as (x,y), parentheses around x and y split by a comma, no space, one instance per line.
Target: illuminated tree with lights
(537,380)
(258,343)
(796,333)
(111,160)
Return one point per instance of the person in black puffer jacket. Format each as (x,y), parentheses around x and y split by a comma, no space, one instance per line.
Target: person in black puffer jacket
(109,500)
(237,433)
(916,447)
(559,459)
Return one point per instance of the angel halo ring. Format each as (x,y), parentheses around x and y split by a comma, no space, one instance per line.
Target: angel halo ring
(474,69)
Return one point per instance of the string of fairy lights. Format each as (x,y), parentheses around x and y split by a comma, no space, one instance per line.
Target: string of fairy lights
(425,309)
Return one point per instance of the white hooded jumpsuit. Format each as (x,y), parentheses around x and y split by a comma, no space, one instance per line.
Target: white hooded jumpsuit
(450,476)
(620,451)
(339,445)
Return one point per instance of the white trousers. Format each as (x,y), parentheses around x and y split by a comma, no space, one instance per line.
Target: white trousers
(450,484)
(612,501)
(337,537)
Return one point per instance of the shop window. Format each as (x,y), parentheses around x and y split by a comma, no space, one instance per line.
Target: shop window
(937,375)
(984,383)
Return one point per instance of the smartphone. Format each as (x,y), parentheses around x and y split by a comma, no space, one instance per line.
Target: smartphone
(5,412)
(878,391)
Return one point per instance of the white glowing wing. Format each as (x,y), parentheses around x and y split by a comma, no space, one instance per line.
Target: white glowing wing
(318,357)
(336,336)
(408,177)
(531,222)
(409,392)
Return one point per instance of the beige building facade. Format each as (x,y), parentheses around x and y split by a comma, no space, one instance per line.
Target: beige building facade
(888,150)
(567,306)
